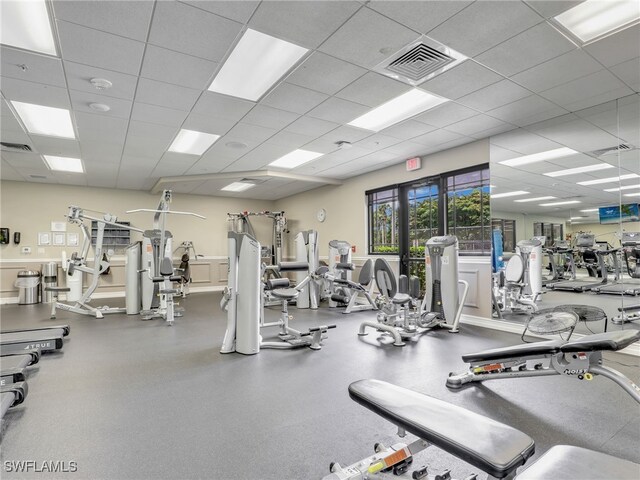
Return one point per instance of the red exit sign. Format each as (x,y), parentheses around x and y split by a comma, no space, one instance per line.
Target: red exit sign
(414,163)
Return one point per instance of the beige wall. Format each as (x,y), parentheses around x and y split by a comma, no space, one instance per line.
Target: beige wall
(605,233)
(346,204)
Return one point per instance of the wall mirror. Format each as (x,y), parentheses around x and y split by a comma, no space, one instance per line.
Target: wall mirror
(571,183)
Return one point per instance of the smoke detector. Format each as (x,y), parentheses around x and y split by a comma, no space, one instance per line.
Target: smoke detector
(100,107)
(420,61)
(343,144)
(101,83)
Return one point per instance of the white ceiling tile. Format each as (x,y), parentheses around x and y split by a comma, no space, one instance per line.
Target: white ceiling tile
(152,131)
(574,133)
(473,125)
(629,73)
(321,145)
(420,16)
(504,127)
(377,141)
(56,146)
(170,168)
(445,114)
(436,137)
(209,36)
(70,178)
(99,49)
(252,133)
(128,182)
(551,8)
(525,142)
(461,80)
(216,104)
(208,123)
(311,126)
(231,9)
(483,25)
(304,23)
(127,19)
(362,37)
(94,127)
(616,48)
(177,68)
(8,173)
(210,163)
(118,107)
(166,95)
(23,160)
(37,93)
(338,110)
(528,110)
(373,89)
(346,134)
(587,91)
(494,96)
(79,78)
(406,149)
(32,67)
(532,47)
(290,139)
(101,150)
(293,98)
(155,114)
(407,129)
(258,158)
(324,73)
(562,69)
(144,147)
(264,116)
(15,136)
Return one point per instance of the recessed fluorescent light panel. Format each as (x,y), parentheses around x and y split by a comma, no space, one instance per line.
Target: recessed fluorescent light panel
(632,194)
(590,210)
(295,159)
(255,64)
(625,187)
(397,109)
(192,142)
(594,19)
(553,204)
(574,171)
(25,24)
(610,179)
(40,120)
(509,194)
(238,187)
(64,164)
(536,199)
(539,157)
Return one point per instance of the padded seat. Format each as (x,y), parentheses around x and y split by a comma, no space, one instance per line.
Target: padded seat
(285,293)
(564,462)
(548,347)
(401,299)
(495,448)
(611,341)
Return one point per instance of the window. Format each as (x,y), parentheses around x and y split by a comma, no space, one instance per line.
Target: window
(508,230)
(469,211)
(553,232)
(383,222)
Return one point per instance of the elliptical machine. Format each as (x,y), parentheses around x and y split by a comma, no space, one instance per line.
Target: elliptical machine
(401,315)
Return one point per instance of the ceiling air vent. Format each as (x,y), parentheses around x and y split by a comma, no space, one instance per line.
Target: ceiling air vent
(255,181)
(38,177)
(420,61)
(15,147)
(613,150)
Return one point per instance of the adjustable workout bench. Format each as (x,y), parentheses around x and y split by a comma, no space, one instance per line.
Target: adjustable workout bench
(493,447)
(579,358)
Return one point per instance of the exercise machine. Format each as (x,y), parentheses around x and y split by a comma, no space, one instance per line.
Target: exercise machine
(47,339)
(400,315)
(580,358)
(628,313)
(493,447)
(12,395)
(341,290)
(184,268)
(306,244)
(13,365)
(242,299)
(241,223)
(519,288)
(561,263)
(594,263)
(630,242)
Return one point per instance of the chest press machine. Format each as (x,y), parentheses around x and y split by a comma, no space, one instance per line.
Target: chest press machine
(579,358)
(242,299)
(493,447)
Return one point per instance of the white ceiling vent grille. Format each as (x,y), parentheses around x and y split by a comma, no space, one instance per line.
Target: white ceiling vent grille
(420,61)
(15,147)
(613,150)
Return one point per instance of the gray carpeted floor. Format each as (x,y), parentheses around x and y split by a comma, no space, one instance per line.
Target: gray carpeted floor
(131,399)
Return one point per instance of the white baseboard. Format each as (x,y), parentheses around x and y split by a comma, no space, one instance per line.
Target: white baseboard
(511,327)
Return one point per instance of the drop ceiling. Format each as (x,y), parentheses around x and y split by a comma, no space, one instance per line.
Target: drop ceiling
(162,56)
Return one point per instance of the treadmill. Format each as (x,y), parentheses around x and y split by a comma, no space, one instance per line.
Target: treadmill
(47,339)
(626,286)
(13,366)
(12,395)
(585,242)
(559,271)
